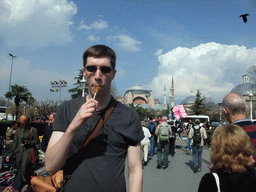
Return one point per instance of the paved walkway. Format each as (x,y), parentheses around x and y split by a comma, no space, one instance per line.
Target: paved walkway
(206,150)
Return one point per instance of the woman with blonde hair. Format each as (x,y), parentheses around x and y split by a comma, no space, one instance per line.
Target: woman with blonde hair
(232,170)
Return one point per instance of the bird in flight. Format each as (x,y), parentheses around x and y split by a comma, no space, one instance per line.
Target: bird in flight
(244,17)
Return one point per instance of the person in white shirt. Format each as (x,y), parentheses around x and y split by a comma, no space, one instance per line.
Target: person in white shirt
(145,143)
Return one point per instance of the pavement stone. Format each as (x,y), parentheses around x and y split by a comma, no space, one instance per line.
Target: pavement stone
(206,150)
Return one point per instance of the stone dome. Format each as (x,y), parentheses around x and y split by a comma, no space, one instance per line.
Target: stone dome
(245,88)
(137,89)
(189,100)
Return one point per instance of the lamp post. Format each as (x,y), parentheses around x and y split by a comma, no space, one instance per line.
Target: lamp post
(250,96)
(10,76)
(56,86)
(83,86)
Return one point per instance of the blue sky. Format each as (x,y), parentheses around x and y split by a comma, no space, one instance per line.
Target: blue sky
(204,45)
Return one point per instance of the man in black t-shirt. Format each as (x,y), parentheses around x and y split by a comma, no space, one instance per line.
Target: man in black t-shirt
(102,166)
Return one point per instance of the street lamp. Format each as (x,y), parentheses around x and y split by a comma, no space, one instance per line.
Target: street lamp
(10,76)
(83,86)
(250,96)
(56,86)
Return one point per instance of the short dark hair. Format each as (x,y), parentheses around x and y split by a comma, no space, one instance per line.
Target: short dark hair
(100,51)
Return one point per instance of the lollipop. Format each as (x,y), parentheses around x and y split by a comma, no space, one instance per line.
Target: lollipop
(96,90)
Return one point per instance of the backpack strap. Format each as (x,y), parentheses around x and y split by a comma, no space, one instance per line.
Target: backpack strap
(73,162)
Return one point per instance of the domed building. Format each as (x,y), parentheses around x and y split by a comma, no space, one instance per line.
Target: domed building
(188,102)
(139,95)
(248,91)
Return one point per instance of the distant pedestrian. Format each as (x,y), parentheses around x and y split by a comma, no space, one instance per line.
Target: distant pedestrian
(163,132)
(197,134)
(48,132)
(189,126)
(180,129)
(232,167)
(145,143)
(21,147)
(173,138)
(10,132)
(151,125)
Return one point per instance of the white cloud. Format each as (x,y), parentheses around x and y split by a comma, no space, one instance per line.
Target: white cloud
(97,25)
(126,42)
(93,38)
(207,67)
(158,52)
(36,23)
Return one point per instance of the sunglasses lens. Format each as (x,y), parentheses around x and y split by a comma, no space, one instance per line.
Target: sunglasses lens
(105,69)
(91,68)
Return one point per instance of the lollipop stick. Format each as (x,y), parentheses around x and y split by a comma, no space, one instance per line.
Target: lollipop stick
(94,95)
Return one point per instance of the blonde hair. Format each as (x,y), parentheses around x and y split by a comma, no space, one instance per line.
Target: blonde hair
(231,149)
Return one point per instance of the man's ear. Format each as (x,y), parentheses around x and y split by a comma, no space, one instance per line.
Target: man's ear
(225,110)
(114,73)
(84,72)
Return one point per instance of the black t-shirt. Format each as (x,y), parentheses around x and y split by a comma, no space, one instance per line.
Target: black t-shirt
(245,181)
(103,163)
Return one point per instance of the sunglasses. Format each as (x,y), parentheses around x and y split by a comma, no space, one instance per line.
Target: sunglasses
(103,69)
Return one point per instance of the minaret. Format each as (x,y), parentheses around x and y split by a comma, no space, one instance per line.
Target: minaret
(165,105)
(172,93)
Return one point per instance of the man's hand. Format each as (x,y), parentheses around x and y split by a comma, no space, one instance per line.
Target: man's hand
(86,111)
(7,159)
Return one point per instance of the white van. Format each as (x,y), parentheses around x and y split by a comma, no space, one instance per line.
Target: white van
(202,118)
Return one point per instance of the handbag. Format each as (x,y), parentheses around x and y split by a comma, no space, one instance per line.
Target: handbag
(34,152)
(56,182)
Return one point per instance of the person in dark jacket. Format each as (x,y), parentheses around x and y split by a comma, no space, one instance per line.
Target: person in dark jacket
(173,138)
(21,147)
(232,167)
(48,132)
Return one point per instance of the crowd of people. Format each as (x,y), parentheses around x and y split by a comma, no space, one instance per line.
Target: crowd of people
(161,135)
(20,138)
(121,133)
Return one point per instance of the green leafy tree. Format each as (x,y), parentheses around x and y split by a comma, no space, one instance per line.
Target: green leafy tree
(166,111)
(199,108)
(143,113)
(20,94)
(77,90)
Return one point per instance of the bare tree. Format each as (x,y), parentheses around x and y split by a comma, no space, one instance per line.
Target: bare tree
(3,101)
(210,105)
(212,108)
(12,109)
(46,107)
